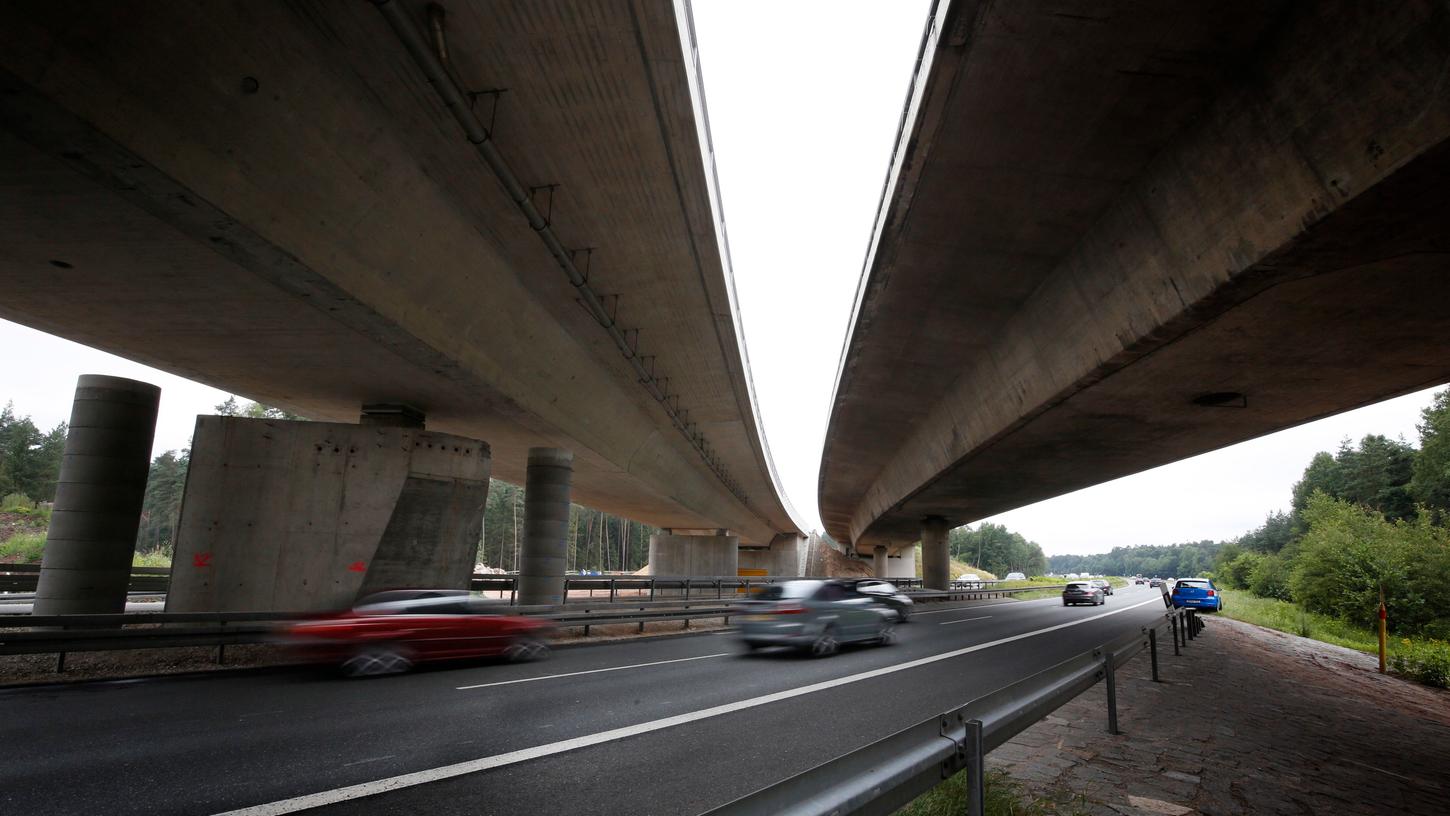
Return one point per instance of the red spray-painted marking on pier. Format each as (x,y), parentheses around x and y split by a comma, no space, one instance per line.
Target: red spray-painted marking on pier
(358,566)
(201,559)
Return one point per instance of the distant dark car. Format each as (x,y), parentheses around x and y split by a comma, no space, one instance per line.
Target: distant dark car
(390,632)
(818,616)
(1102,584)
(1083,592)
(1198,593)
(1156,582)
(886,594)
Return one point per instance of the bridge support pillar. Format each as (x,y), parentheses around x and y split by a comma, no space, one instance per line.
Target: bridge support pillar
(935,560)
(672,553)
(878,561)
(546,526)
(87,562)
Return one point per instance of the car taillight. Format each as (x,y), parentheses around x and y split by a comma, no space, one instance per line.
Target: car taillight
(792,609)
(1210,593)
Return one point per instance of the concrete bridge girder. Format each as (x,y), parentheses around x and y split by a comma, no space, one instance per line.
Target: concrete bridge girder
(326,237)
(1275,243)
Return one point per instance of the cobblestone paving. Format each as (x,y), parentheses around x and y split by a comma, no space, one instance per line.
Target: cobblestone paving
(1249,720)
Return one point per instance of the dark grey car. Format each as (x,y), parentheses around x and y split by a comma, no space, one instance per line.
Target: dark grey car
(1083,592)
(818,616)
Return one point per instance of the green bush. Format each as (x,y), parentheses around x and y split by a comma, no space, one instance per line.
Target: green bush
(1350,553)
(1270,578)
(28,546)
(1427,661)
(16,503)
(1236,572)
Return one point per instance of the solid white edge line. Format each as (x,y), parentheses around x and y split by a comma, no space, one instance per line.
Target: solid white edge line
(409,780)
(963,620)
(592,671)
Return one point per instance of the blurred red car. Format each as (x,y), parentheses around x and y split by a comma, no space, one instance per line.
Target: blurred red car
(389,632)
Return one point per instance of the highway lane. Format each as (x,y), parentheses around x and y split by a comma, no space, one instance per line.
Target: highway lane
(210,744)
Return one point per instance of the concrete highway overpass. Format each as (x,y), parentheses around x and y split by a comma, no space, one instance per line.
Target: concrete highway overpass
(1117,234)
(273,199)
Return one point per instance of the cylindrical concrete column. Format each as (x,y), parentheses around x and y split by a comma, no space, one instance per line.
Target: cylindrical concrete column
(878,557)
(546,526)
(87,562)
(935,560)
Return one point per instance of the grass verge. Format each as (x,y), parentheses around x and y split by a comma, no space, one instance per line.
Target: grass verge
(24,548)
(1420,659)
(1288,617)
(151,559)
(1003,796)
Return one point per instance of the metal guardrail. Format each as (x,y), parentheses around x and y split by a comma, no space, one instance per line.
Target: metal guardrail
(22,578)
(889,773)
(60,634)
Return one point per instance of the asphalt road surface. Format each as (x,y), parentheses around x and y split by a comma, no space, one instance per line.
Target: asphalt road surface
(644,727)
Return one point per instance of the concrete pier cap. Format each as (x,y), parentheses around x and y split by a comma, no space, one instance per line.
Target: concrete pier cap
(694,552)
(86,565)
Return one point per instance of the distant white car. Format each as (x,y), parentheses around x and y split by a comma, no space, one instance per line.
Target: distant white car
(969,576)
(1015,576)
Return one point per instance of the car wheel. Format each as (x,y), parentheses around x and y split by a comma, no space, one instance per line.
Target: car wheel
(902,615)
(887,636)
(825,643)
(376,661)
(526,649)
(1065,603)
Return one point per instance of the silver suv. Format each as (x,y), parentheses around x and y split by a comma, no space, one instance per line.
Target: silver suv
(818,616)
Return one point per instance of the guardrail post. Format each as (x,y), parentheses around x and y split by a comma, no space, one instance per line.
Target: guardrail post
(514,592)
(976,770)
(651,588)
(60,662)
(1173,622)
(687,589)
(612,589)
(1153,651)
(1192,624)
(221,648)
(1112,686)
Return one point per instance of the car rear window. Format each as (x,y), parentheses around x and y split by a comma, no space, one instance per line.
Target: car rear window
(1194,584)
(1078,586)
(789,589)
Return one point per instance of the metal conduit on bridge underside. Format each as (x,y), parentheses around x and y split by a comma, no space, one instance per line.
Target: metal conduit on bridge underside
(442,81)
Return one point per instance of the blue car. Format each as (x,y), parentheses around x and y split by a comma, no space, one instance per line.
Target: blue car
(1198,593)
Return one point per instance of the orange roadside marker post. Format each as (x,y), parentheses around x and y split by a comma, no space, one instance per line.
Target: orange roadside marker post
(1383,615)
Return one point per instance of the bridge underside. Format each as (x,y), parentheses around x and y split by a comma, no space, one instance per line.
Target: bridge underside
(271,199)
(1125,236)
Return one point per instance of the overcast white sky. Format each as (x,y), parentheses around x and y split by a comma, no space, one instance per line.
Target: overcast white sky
(804,100)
